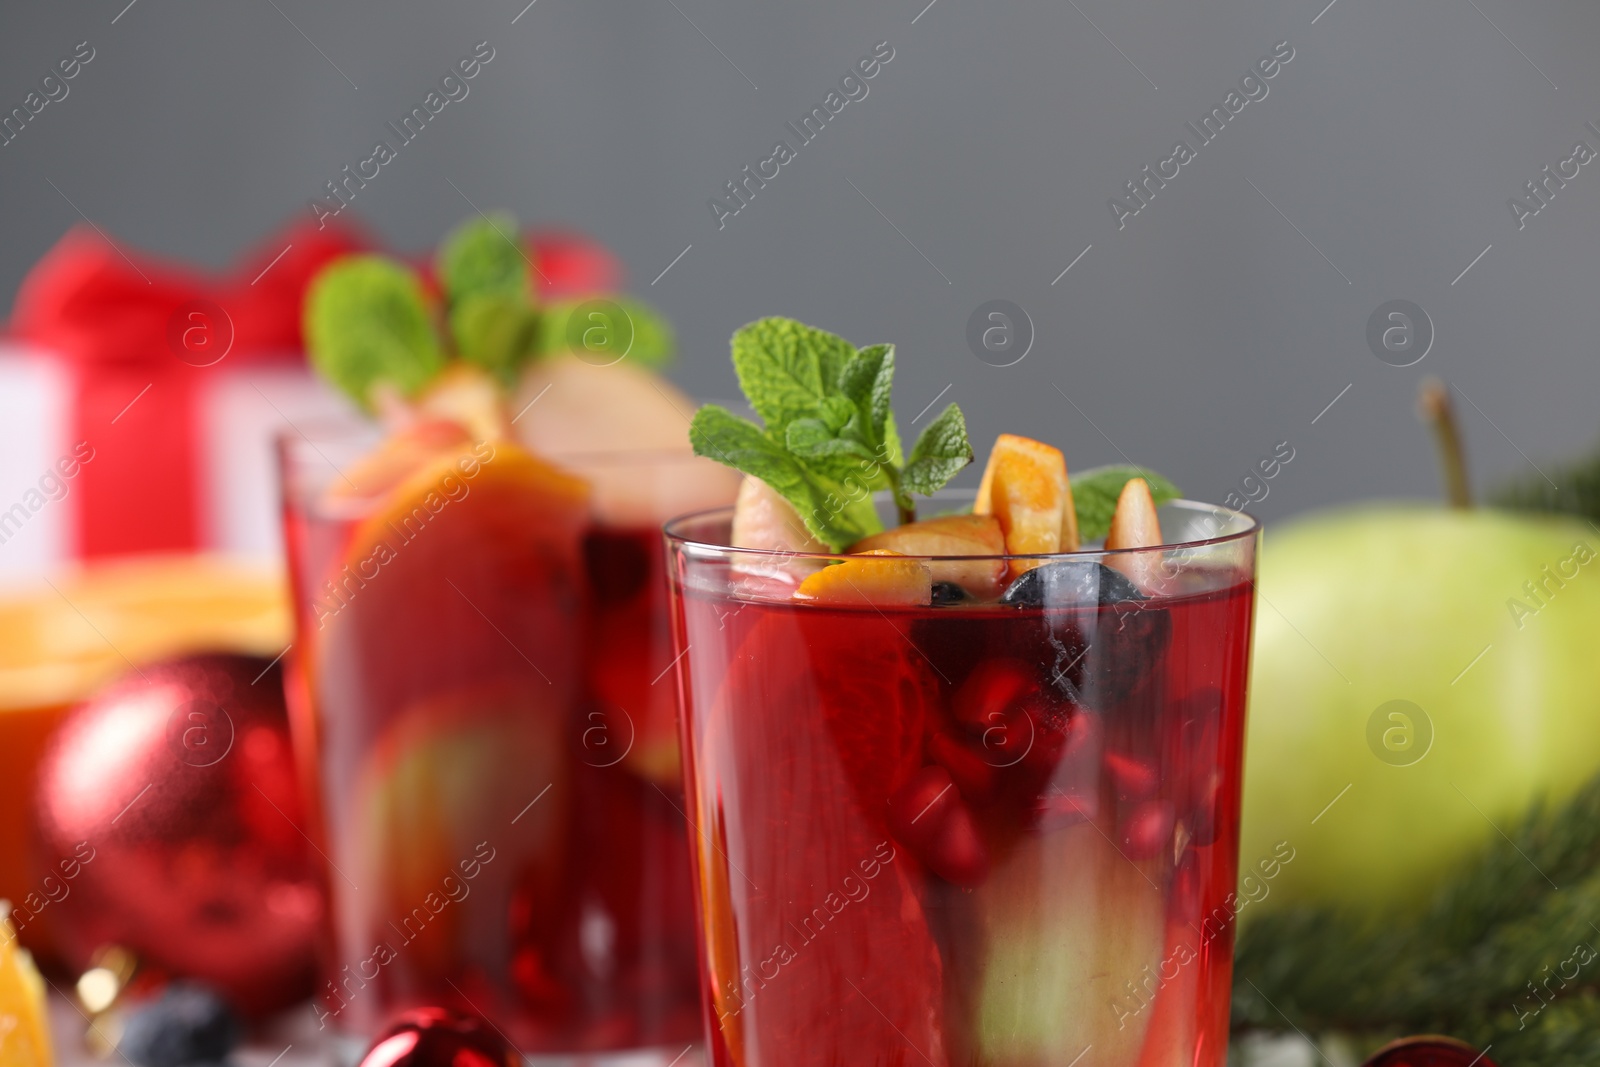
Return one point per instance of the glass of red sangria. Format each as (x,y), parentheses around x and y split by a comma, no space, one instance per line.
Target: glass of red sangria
(965,789)
(480,683)
(486,717)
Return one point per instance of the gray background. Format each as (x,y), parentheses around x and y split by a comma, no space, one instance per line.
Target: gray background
(1194,340)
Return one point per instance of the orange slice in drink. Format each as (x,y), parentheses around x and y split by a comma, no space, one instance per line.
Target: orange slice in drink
(878,578)
(468,570)
(1025,486)
(24,1031)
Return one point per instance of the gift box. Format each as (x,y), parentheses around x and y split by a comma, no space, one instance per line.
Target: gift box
(138,398)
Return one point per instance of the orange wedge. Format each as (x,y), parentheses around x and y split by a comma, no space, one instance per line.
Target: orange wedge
(950,535)
(1025,487)
(482,538)
(878,578)
(399,455)
(24,1032)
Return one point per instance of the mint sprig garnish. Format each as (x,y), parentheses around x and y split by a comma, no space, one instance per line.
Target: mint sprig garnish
(650,341)
(1095,492)
(367,320)
(484,273)
(829,439)
(482,256)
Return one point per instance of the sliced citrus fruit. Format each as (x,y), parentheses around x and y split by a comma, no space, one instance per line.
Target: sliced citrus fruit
(1025,487)
(400,455)
(876,578)
(469,566)
(950,535)
(24,1029)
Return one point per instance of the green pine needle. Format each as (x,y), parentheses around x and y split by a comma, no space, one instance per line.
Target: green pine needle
(1506,953)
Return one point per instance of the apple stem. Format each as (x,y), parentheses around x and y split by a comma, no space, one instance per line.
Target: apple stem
(1435,408)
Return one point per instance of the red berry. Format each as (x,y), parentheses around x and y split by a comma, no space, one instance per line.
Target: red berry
(439,1037)
(929,817)
(1147,829)
(973,775)
(994,693)
(1133,778)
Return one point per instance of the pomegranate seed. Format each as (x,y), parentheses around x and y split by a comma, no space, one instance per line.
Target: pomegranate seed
(973,774)
(1147,830)
(993,693)
(929,817)
(1133,778)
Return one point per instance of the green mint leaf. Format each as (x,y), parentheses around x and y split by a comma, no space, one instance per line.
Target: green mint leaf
(891,442)
(483,255)
(826,407)
(941,450)
(367,321)
(497,331)
(814,439)
(606,329)
(786,369)
(866,381)
(824,505)
(1095,492)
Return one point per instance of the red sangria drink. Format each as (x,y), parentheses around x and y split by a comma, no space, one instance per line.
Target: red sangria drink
(966,788)
(480,629)
(498,779)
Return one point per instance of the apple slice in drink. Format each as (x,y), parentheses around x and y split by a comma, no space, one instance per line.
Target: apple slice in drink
(430,806)
(951,535)
(446,640)
(1050,939)
(1134,525)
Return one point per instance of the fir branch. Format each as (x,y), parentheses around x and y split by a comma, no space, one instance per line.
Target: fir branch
(1506,952)
(1576,489)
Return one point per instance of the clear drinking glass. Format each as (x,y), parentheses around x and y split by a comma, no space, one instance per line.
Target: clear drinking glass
(495,774)
(969,833)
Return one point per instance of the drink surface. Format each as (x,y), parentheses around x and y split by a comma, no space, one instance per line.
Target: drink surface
(976,834)
(499,811)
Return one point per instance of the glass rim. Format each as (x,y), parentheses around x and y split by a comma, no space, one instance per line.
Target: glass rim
(673,529)
(339,429)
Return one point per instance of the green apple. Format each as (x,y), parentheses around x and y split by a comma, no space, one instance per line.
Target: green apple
(1486,622)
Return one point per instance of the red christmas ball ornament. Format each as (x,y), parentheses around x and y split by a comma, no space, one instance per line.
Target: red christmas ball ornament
(1428,1050)
(439,1037)
(169,808)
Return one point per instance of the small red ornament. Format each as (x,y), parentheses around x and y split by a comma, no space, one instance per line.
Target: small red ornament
(1428,1050)
(169,807)
(439,1037)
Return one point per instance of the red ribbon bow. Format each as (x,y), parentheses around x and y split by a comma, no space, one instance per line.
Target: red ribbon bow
(140,336)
